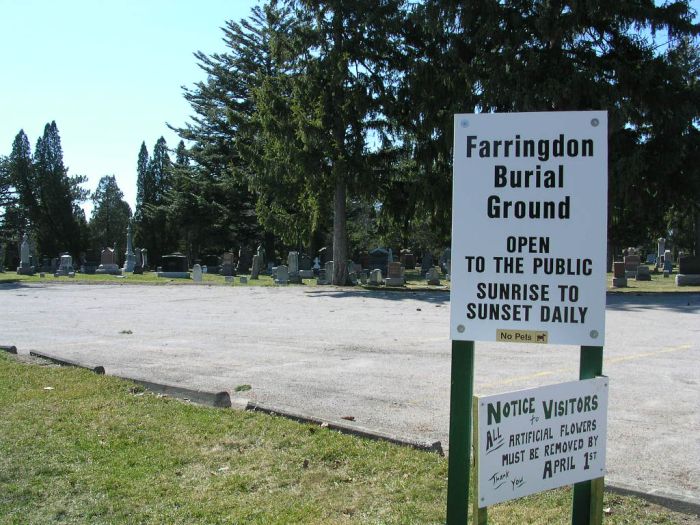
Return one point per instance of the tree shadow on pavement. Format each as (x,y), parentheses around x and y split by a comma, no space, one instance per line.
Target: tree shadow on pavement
(684,302)
(428,296)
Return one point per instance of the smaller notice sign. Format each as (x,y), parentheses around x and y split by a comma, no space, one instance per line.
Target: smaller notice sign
(539,439)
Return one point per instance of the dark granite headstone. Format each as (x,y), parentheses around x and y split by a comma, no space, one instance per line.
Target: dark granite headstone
(174,262)
(379,259)
(227,266)
(305,262)
(426,263)
(689,265)
(211,262)
(91,261)
(245,259)
(324,254)
(618,269)
(138,266)
(408,260)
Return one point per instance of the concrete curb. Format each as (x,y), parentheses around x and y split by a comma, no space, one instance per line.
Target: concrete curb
(685,505)
(353,430)
(9,349)
(67,362)
(213,399)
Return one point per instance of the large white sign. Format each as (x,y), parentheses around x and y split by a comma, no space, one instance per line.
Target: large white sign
(529,227)
(539,439)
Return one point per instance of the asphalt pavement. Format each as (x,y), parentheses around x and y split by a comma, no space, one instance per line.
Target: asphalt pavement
(382,358)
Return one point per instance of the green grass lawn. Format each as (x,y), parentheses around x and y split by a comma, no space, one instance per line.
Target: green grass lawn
(82,448)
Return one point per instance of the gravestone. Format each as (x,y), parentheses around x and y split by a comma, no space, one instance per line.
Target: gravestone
(668,256)
(25,267)
(90,262)
(65,267)
(174,266)
(321,278)
(244,260)
(426,263)
(651,259)
(305,267)
(260,252)
(255,270)
(243,279)
(352,272)
(408,259)
(282,275)
(317,264)
(378,259)
(45,265)
(329,267)
(324,254)
(364,260)
(211,262)
(631,264)
(129,257)
(227,265)
(144,259)
(197,273)
(660,250)
(293,267)
(138,265)
(394,275)
(375,277)
(643,273)
(445,260)
(433,277)
(108,262)
(688,271)
(619,275)
(668,263)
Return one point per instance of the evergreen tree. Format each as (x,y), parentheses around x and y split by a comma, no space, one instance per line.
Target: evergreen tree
(145,187)
(154,231)
(57,228)
(542,56)
(222,182)
(337,76)
(110,216)
(20,171)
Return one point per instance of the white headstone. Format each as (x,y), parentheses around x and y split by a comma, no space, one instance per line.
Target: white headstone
(375,277)
(197,273)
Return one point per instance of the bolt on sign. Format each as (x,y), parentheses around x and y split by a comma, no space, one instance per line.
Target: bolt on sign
(529,227)
(539,439)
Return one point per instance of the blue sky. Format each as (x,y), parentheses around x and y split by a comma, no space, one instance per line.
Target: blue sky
(108,72)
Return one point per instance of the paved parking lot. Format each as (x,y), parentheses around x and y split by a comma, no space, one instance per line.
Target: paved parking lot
(380,357)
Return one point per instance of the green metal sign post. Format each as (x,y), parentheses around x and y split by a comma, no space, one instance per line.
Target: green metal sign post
(461,392)
(587,506)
